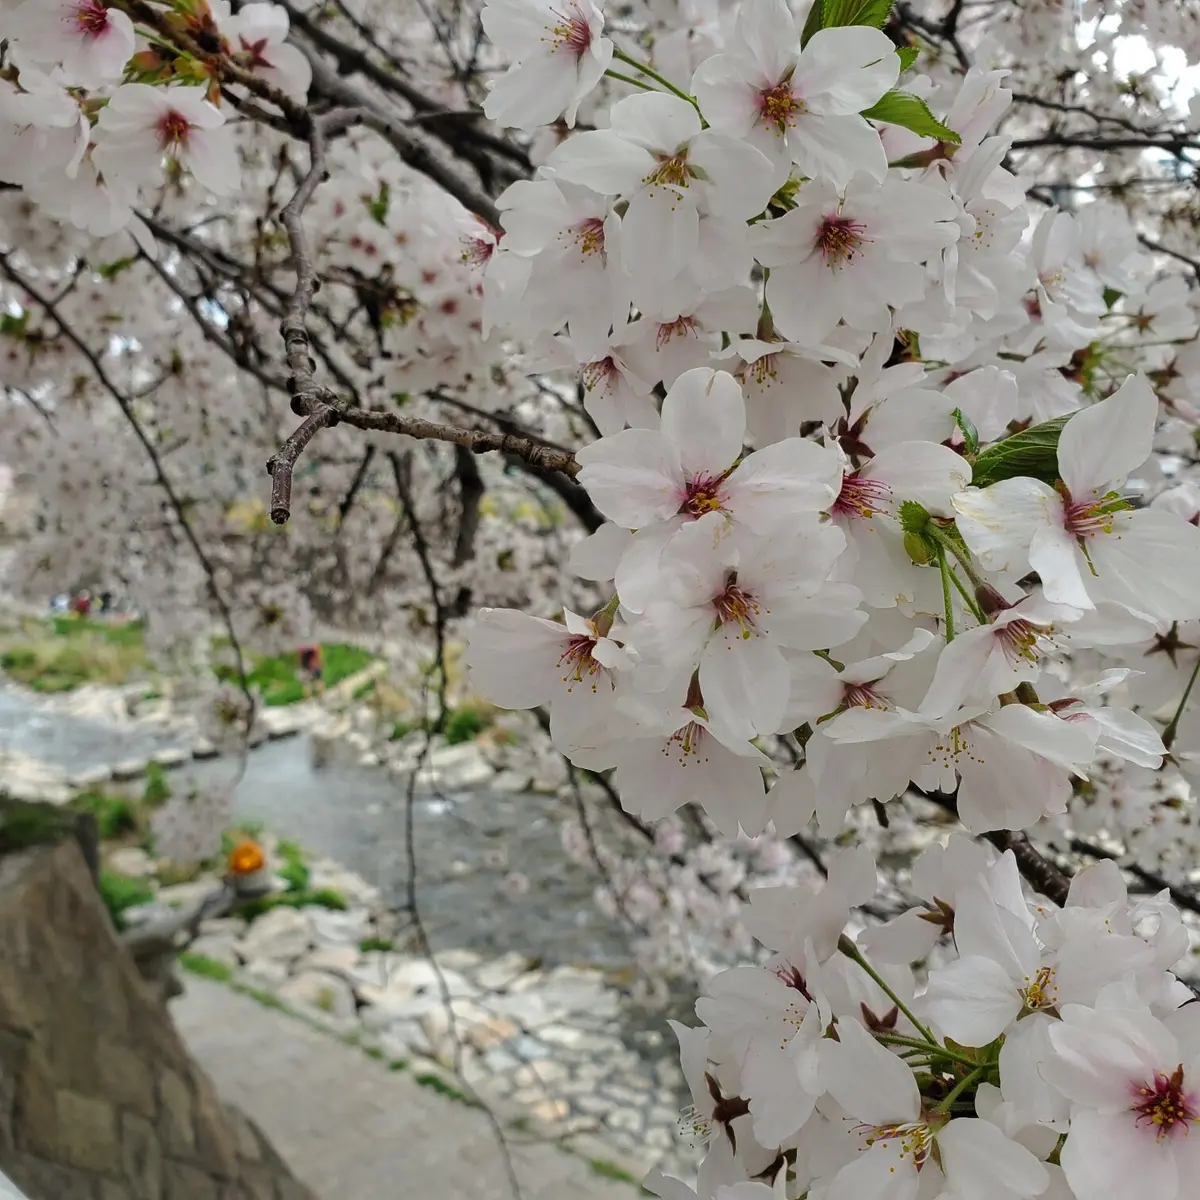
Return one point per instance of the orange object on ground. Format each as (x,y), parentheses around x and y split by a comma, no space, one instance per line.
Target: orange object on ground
(246,858)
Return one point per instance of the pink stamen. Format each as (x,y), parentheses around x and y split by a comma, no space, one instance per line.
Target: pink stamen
(861,497)
(702,494)
(839,239)
(1164,1107)
(91,18)
(173,130)
(573,33)
(739,607)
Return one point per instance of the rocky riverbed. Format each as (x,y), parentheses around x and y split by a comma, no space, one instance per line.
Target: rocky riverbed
(529,1003)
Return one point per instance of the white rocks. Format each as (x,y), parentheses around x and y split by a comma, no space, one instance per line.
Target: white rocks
(455,768)
(185,895)
(93,777)
(170,758)
(510,781)
(219,947)
(131,768)
(336,959)
(132,861)
(333,928)
(321,991)
(203,749)
(280,935)
(501,972)
(265,973)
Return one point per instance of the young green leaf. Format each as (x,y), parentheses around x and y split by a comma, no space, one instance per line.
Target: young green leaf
(832,14)
(910,112)
(1033,452)
(969,432)
(908,55)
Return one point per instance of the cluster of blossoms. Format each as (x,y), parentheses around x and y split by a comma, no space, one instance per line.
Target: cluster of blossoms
(83,128)
(883,513)
(886,443)
(1050,1052)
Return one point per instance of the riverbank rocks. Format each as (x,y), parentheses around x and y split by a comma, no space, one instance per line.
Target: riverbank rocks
(281,935)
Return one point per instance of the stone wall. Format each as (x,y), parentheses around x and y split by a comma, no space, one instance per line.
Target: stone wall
(99,1099)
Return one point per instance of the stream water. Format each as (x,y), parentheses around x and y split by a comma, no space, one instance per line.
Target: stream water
(466,844)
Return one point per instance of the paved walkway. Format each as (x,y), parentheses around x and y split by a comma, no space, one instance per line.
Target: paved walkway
(350,1128)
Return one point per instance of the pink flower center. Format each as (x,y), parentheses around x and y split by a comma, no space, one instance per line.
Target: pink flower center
(779,106)
(173,130)
(478,251)
(578,662)
(572,33)
(681,327)
(91,18)
(702,494)
(1085,519)
(861,497)
(687,744)
(912,1141)
(1163,1106)
(839,239)
(589,236)
(674,171)
(737,606)
(603,372)
(862,695)
(1020,640)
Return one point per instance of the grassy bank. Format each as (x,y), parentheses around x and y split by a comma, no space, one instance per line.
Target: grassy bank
(63,653)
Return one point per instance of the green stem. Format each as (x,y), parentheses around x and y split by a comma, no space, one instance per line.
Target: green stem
(649,71)
(964,559)
(1172,729)
(629,79)
(851,951)
(934,1050)
(976,1076)
(947,599)
(971,602)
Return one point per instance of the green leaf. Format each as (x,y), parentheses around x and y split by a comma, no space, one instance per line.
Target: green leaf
(113,269)
(833,14)
(969,432)
(910,112)
(1111,296)
(14,324)
(907,55)
(378,205)
(1033,453)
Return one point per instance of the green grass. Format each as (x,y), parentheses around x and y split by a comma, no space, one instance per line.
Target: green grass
(609,1170)
(294,871)
(321,898)
(205,967)
(120,892)
(465,724)
(278,676)
(116,816)
(376,943)
(61,654)
(435,1083)
(157,791)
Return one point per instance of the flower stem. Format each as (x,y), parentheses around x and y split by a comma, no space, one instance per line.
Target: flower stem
(850,950)
(930,1048)
(1172,728)
(944,539)
(976,1076)
(630,79)
(649,71)
(947,599)
(970,600)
